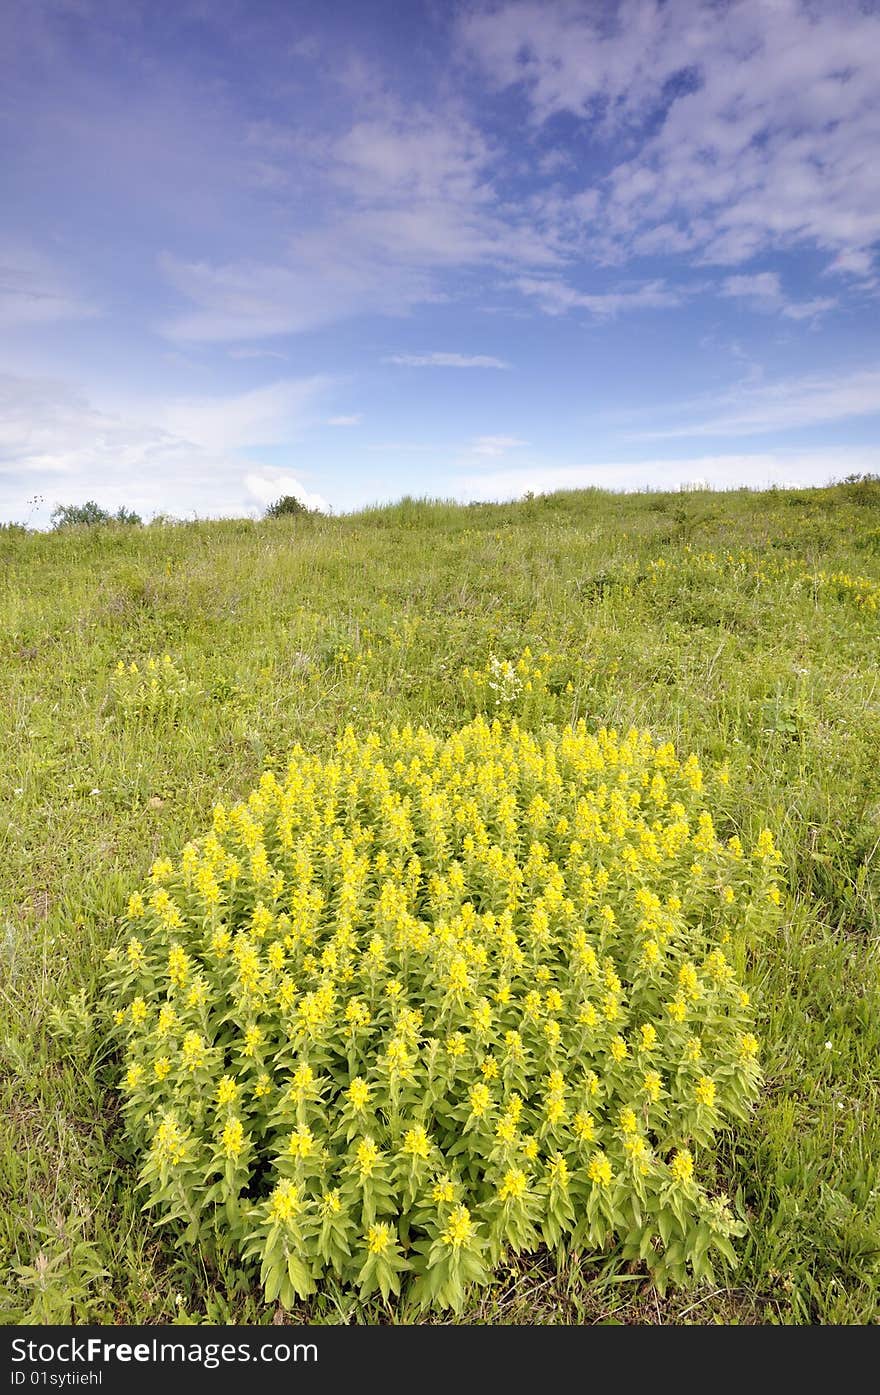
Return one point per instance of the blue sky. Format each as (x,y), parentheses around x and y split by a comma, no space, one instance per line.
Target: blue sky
(368,248)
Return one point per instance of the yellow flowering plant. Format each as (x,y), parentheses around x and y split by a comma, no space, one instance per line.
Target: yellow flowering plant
(153,690)
(424,1004)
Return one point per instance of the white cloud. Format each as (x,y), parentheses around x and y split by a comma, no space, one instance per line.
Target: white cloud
(853,262)
(267,486)
(269,415)
(751,126)
(54,442)
(555,297)
(443,360)
(353,419)
(764,285)
(495,445)
(729,471)
(763,291)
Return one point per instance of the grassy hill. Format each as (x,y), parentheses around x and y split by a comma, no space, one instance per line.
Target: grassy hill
(742,626)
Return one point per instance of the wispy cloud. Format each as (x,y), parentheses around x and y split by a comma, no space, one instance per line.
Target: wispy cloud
(788,404)
(268,415)
(34,291)
(255,352)
(353,419)
(555,297)
(402,197)
(495,445)
(444,360)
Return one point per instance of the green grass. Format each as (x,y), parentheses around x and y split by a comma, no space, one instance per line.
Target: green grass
(755,641)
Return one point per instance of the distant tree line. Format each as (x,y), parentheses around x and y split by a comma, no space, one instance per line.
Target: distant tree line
(91,514)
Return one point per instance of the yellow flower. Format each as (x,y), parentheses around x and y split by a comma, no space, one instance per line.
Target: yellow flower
(358,1093)
(599,1170)
(227,1091)
(682,1166)
(459,1228)
(135,952)
(135,905)
(647,1036)
(513,1185)
(749,1046)
(627,1120)
(162,1068)
(650,953)
(638,1153)
(584,1126)
(443,1191)
(689,981)
(192,1051)
(480,1100)
(379,1238)
(704,1091)
(138,1011)
(514,1107)
(233,1138)
(170,1142)
(619,1049)
(133,1077)
(557,1171)
(301,1143)
(167,1019)
(456,1045)
(417,1143)
(366,1155)
(652,1084)
(285,1202)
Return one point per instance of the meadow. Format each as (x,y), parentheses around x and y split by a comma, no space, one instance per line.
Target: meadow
(740,626)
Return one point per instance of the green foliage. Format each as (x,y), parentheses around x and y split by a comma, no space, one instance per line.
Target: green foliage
(91,514)
(288,506)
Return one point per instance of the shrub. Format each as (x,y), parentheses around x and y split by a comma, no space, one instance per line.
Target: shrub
(429,1003)
(90,514)
(287,506)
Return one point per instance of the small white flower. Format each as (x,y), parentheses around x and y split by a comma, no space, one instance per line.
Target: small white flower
(828,1046)
(94,791)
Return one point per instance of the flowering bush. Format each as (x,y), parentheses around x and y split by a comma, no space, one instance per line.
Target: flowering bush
(429,1003)
(155,692)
